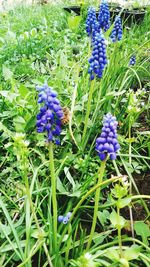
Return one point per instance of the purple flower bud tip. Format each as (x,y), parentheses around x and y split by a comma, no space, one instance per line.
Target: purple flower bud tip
(65,220)
(107,143)
(132,61)
(69,215)
(60,218)
(116,34)
(91,20)
(104,16)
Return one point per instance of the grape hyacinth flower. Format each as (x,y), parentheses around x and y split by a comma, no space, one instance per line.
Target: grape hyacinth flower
(50,115)
(107,143)
(98,59)
(64,219)
(96,29)
(132,61)
(104,16)
(116,34)
(91,20)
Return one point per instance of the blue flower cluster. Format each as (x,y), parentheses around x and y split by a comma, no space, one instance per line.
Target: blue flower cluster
(132,61)
(104,16)
(50,115)
(116,34)
(91,20)
(107,143)
(98,59)
(96,29)
(64,219)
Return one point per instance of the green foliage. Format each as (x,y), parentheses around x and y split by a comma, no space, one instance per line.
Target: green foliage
(44,44)
(142,229)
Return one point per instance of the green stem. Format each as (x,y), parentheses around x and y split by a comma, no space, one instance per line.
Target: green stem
(119,233)
(97,193)
(140,196)
(88,109)
(110,244)
(130,187)
(27,206)
(145,257)
(68,245)
(72,108)
(35,218)
(94,188)
(54,199)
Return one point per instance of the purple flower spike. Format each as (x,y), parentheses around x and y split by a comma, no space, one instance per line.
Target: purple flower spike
(116,34)
(104,16)
(91,20)
(50,115)
(98,59)
(107,143)
(132,61)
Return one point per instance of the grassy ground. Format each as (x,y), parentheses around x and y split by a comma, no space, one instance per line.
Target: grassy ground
(45,44)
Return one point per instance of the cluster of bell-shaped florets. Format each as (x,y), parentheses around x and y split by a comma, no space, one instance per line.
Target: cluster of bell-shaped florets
(96,29)
(104,16)
(132,60)
(50,115)
(107,143)
(98,60)
(116,34)
(64,219)
(91,20)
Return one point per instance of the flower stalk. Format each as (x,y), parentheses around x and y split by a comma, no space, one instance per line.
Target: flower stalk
(54,199)
(88,109)
(97,194)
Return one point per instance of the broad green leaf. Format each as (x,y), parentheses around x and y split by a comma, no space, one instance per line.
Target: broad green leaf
(73,22)
(112,253)
(121,203)
(69,176)
(119,191)
(5,229)
(33,32)
(23,90)
(132,253)
(8,95)
(143,230)
(116,220)
(60,186)
(7,73)
(103,216)
(19,124)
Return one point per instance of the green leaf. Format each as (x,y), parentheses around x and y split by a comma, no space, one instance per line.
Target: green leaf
(119,191)
(112,254)
(121,203)
(103,216)
(7,73)
(73,22)
(5,229)
(16,237)
(19,124)
(23,90)
(60,187)
(132,253)
(143,230)
(69,176)
(116,220)
(9,96)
